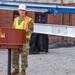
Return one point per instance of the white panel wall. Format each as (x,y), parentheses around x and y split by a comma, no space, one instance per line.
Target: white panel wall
(68,1)
(46,1)
(31,0)
(73,1)
(54,1)
(59,1)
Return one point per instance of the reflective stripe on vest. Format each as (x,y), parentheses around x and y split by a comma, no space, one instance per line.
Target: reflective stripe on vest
(26,27)
(23,25)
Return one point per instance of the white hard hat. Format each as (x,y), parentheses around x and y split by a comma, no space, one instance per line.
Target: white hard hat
(22,7)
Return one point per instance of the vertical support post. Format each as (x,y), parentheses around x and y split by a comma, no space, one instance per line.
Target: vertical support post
(9,62)
(61,20)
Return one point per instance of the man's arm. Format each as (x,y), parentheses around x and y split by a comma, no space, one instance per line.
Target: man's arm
(30,27)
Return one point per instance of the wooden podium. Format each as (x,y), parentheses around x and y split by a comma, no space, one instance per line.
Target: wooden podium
(11,38)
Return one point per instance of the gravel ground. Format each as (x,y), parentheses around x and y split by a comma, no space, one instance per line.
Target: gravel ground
(59,61)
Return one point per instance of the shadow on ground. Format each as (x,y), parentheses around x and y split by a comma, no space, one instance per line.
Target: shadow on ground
(59,45)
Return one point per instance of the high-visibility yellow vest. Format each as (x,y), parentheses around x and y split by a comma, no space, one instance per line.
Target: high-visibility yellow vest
(23,25)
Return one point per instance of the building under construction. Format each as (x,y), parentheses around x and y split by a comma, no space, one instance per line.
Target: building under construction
(7,17)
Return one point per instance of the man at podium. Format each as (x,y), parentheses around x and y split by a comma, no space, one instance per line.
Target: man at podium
(26,23)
